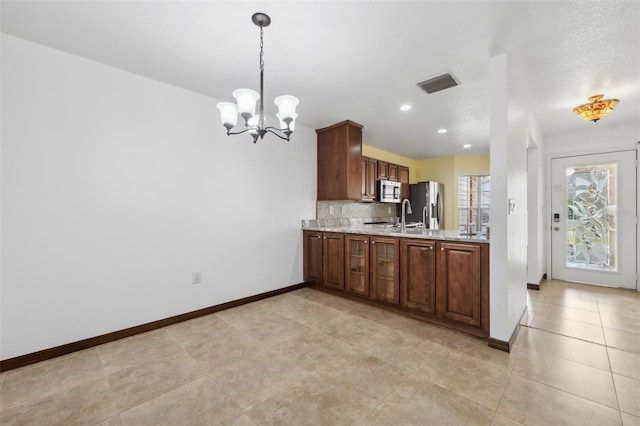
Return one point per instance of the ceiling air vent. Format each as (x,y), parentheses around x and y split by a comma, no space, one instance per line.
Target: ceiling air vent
(438,83)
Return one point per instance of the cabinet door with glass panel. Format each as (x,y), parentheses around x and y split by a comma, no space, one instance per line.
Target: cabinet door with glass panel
(357,259)
(385,269)
(474,199)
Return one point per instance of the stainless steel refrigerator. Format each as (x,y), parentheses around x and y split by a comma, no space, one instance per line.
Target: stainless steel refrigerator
(429,195)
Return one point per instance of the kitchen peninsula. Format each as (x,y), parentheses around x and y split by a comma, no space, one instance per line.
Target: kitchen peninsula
(433,275)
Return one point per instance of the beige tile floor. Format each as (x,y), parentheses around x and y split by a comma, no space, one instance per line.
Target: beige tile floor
(306,358)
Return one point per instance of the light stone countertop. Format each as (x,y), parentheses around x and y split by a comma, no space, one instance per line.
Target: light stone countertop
(389,230)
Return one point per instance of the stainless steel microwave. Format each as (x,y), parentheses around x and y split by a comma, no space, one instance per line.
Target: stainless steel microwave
(388,191)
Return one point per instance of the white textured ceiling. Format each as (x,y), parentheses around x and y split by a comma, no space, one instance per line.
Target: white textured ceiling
(361,60)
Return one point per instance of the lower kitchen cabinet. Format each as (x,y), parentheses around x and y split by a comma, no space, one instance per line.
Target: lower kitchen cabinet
(418,278)
(312,257)
(333,260)
(357,264)
(445,282)
(385,271)
(459,283)
(372,267)
(323,262)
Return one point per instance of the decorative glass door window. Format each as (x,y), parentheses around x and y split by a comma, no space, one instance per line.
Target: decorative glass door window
(474,199)
(591,217)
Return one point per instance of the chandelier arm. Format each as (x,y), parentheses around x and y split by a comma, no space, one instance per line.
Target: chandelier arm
(229,132)
(273,130)
(276,128)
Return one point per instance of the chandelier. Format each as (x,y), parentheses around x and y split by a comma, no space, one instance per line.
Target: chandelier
(246,100)
(596,109)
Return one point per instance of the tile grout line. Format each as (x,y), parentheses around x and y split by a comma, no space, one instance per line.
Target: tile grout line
(566,391)
(613,380)
(578,338)
(495,412)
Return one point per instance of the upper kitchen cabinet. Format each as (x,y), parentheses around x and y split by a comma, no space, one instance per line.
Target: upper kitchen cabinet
(383,170)
(369,173)
(403,178)
(393,172)
(340,161)
(387,171)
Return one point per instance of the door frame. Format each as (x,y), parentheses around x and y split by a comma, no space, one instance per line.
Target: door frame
(549,188)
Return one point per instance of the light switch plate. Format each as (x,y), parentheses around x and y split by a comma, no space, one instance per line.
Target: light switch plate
(512,206)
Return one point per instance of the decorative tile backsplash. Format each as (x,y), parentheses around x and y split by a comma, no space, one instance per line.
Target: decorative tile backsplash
(354,210)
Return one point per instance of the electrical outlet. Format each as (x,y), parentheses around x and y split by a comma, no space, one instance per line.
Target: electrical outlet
(196,277)
(344,209)
(389,209)
(331,209)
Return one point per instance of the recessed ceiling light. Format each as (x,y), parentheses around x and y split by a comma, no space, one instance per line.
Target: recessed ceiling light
(405,107)
(466,145)
(442,130)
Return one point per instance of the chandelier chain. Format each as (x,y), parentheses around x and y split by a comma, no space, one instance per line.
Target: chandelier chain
(261,52)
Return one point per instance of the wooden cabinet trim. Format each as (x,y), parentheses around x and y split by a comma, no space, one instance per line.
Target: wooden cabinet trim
(340,125)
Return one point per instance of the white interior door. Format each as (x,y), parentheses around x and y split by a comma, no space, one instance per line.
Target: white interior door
(593,219)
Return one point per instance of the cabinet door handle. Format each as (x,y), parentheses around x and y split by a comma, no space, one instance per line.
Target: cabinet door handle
(365,241)
(441,248)
(316,236)
(373,242)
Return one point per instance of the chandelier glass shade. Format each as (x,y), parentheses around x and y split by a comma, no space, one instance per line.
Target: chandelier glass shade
(597,108)
(246,100)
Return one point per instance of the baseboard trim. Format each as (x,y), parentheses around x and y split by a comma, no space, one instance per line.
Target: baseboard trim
(531,286)
(501,344)
(45,354)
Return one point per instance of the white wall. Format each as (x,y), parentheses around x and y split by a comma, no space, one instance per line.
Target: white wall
(116,187)
(536,228)
(600,136)
(511,127)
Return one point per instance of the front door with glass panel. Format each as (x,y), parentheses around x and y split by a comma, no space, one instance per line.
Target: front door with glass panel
(593,219)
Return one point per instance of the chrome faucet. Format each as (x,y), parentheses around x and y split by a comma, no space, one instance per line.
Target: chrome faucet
(405,210)
(424,218)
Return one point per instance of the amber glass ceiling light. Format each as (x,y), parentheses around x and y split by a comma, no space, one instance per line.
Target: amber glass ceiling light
(597,108)
(246,100)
